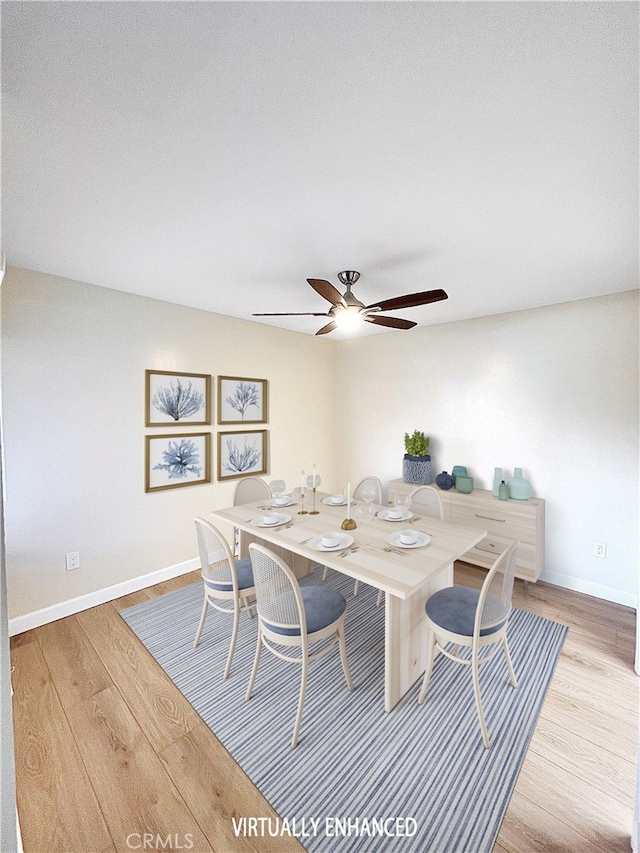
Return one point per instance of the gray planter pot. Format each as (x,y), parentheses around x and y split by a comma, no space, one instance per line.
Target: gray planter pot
(416,470)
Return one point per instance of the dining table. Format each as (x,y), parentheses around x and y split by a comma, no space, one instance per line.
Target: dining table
(374,555)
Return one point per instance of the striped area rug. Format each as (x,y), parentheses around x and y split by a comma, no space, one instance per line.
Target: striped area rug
(416,780)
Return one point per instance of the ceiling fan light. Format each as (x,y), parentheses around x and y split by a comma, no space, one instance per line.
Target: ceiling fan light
(348,319)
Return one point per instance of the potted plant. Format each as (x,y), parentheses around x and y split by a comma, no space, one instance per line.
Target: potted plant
(416,465)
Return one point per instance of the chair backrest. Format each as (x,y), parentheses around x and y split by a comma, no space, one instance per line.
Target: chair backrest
(216,561)
(251,489)
(372,483)
(494,604)
(278,596)
(425,500)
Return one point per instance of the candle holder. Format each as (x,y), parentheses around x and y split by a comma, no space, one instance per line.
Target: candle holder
(348,524)
(313,481)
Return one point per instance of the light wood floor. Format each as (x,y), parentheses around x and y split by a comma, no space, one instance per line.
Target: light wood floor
(107,749)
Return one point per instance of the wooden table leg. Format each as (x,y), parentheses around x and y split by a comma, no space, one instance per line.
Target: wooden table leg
(405,638)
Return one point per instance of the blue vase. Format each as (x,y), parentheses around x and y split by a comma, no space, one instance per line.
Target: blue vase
(444,481)
(519,488)
(497,479)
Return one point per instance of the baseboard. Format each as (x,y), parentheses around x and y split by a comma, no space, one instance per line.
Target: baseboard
(75,605)
(597,590)
(82,602)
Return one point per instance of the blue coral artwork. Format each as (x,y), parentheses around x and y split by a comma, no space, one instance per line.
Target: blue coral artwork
(241,454)
(177,460)
(242,401)
(175,399)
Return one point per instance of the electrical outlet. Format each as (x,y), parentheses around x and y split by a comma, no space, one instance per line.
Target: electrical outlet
(72,560)
(599,549)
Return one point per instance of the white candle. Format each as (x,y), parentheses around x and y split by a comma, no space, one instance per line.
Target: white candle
(302,491)
(349,497)
(313,478)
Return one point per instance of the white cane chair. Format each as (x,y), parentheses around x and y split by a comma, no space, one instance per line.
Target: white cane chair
(293,617)
(228,583)
(425,500)
(473,619)
(248,490)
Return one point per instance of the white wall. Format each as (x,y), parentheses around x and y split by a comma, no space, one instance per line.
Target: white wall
(552,390)
(74,361)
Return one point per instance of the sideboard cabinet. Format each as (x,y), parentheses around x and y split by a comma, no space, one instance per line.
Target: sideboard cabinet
(504,521)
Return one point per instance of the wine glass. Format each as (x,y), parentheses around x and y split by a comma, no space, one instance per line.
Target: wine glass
(299,495)
(368,493)
(364,512)
(277,488)
(403,502)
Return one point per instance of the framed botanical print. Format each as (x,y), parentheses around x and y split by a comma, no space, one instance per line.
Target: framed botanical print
(241,454)
(172,461)
(177,399)
(242,401)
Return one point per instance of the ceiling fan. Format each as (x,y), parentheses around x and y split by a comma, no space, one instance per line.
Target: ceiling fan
(347,309)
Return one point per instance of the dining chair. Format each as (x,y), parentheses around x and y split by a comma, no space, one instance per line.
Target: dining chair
(228,583)
(293,617)
(248,490)
(370,486)
(425,500)
(472,619)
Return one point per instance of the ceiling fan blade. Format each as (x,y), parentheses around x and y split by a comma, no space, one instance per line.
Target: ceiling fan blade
(326,289)
(393,322)
(410,300)
(295,314)
(328,328)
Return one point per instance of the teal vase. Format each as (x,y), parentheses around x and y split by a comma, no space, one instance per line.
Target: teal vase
(458,471)
(519,488)
(497,479)
(503,491)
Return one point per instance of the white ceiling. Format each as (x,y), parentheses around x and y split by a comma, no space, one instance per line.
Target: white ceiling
(218,154)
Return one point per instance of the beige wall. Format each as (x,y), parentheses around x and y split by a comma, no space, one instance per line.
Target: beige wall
(552,390)
(74,367)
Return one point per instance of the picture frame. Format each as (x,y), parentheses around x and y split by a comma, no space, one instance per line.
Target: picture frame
(174,398)
(173,461)
(242,454)
(242,400)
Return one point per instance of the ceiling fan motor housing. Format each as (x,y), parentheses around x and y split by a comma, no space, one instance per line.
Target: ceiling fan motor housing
(348,277)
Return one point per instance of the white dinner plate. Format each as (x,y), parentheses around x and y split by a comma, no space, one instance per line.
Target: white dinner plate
(316,543)
(282,519)
(272,502)
(384,515)
(422,540)
(329,502)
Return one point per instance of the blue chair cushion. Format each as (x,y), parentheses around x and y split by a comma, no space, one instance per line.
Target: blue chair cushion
(322,606)
(245,577)
(454,609)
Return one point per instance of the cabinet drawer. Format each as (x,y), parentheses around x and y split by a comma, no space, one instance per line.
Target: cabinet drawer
(508,524)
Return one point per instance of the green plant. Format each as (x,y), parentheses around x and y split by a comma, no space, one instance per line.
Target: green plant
(416,444)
